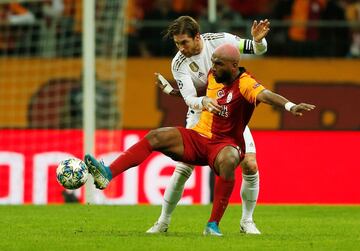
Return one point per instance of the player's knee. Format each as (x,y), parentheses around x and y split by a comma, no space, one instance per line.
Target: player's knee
(249,164)
(184,169)
(227,172)
(228,156)
(231,161)
(228,163)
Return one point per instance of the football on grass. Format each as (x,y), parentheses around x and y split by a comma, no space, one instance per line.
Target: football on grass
(72,173)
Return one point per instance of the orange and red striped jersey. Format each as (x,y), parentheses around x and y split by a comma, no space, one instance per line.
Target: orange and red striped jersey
(238,101)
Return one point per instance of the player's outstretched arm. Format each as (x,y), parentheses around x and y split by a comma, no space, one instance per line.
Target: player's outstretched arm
(165,86)
(271,98)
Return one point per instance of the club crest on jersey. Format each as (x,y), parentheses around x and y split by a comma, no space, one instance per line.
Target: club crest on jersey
(220,93)
(229,97)
(194,67)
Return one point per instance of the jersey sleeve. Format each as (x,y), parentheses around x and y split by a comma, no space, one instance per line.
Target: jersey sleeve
(250,88)
(186,87)
(246,46)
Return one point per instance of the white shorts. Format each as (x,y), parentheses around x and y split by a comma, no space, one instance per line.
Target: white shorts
(193,117)
(249,141)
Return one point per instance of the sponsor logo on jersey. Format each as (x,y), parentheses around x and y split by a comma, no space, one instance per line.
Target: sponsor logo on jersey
(229,97)
(224,111)
(220,93)
(194,67)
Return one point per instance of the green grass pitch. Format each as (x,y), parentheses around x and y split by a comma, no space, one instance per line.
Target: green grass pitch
(85,227)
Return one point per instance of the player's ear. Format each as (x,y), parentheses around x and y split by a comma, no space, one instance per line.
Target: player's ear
(197,36)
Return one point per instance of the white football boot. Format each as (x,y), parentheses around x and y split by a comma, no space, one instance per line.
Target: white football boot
(248,227)
(158,227)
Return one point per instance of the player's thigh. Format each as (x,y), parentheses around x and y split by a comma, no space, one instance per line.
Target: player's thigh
(167,140)
(227,160)
(248,164)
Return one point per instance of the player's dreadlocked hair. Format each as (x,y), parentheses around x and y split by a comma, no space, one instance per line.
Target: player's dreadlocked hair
(182,25)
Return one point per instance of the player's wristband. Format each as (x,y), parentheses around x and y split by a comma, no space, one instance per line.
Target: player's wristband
(258,43)
(260,47)
(289,105)
(168,88)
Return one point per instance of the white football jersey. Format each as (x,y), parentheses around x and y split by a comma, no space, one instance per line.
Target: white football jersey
(191,73)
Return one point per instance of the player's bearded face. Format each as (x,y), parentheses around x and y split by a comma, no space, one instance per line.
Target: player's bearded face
(187,45)
(222,76)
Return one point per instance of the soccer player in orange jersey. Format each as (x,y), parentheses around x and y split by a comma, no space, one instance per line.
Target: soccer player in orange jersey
(216,140)
(190,68)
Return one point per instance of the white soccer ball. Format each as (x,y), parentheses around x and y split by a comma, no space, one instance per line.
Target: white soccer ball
(72,173)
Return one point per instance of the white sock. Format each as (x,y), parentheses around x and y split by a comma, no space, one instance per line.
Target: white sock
(249,195)
(174,191)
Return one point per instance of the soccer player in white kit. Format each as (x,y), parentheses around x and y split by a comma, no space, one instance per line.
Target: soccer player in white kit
(190,67)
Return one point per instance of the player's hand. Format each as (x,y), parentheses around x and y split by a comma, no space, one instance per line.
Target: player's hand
(211,105)
(298,109)
(259,30)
